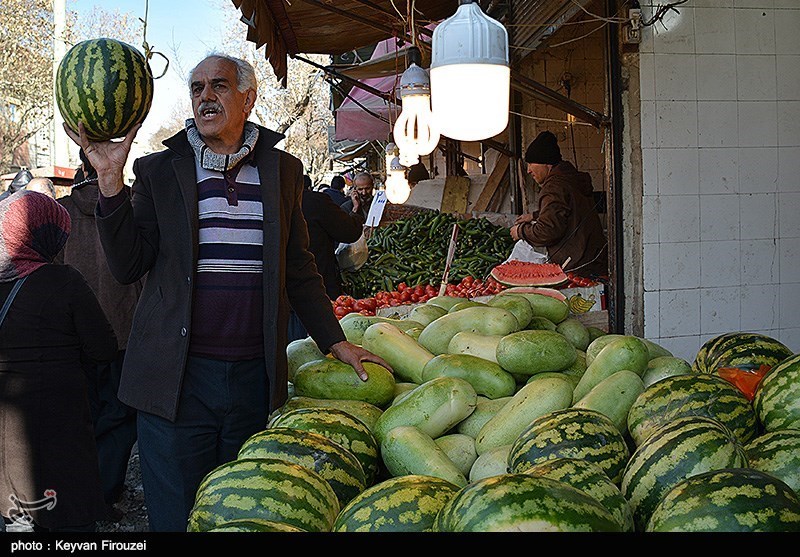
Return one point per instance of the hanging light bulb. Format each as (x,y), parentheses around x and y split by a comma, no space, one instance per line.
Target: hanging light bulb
(391,152)
(397,188)
(415,131)
(470,75)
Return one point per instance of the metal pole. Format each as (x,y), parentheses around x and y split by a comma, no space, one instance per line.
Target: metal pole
(59,142)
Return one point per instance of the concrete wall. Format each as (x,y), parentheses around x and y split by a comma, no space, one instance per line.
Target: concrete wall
(720,126)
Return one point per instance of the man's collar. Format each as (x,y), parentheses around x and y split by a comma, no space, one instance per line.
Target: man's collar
(179,143)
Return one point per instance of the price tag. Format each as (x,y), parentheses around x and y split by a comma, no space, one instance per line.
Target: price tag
(376,209)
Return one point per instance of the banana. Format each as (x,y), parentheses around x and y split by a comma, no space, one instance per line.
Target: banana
(579,304)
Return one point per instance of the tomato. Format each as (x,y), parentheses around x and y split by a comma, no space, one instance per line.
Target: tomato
(402,286)
(415,298)
(370,303)
(341,311)
(419,290)
(405,296)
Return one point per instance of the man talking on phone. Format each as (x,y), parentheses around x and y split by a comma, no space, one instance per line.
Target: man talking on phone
(360,195)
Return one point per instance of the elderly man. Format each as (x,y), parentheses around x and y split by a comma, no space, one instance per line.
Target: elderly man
(216,221)
(567,223)
(360,194)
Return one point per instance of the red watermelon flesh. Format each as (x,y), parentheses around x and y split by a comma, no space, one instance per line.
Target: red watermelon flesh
(524,273)
(552,292)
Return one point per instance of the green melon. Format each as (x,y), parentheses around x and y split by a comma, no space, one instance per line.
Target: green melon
(777,453)
(742,350)
(107,85)
(777,397)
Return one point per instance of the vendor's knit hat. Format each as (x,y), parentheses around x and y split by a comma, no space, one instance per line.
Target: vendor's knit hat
(544,149)
(33,229)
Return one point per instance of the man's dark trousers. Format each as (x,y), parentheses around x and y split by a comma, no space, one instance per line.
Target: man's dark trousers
(221,405)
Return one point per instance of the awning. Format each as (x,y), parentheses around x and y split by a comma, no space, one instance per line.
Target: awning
(328,26)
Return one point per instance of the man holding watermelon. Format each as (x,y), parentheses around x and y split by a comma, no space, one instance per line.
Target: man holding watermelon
(215,221)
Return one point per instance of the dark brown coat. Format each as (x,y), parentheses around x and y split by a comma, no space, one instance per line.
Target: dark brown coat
(84,252)
(567,223)
(156,233)
(46,435)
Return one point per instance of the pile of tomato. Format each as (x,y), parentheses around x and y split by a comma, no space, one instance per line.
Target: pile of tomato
(577,281)
(469,287)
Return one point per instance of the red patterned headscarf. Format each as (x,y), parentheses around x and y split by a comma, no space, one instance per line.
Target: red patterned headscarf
(33,229)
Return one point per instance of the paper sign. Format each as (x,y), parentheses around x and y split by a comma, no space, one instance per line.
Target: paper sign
(376,209)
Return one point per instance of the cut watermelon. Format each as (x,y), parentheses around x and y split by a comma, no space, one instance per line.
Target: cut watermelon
(552,292)
(524,273)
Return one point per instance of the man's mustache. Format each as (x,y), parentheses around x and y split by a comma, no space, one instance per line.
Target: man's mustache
(209,105)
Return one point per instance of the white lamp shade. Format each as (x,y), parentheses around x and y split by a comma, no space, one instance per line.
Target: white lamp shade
(470,75)
(397,188)
(415,132)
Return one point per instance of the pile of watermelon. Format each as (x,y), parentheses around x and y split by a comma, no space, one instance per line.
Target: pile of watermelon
(511,415)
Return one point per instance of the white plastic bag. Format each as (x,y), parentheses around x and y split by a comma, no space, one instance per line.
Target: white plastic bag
(523,251)
(351,257)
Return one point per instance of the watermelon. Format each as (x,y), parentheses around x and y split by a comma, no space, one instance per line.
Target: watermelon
(402,504)
(777,398)
(367,413)
(255,525)
(678,450)
(107,85)
(589,478)
(728,500)
(692,394)
(523,503)
(525,273)
(264,489)
(338,466)
(742,350)
(777,453)
(571,433)
(341,427)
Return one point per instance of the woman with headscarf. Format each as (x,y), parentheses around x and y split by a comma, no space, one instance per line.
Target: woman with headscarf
(49,473)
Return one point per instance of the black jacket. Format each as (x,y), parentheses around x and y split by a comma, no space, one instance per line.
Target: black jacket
(156,233)
(329,224)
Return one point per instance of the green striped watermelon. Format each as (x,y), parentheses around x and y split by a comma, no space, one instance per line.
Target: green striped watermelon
(678,450)
(338,466)
(589,478)
(255,525)
(571,433)
(264,489)
(733,500)
(341,427)
(777,453)
(692,394)
(742,350)
(364,411)
(523,503)
(401,504)
(107,85)
(777,398)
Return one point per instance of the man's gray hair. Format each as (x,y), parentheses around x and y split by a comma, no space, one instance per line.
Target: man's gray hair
(245,74)
(364,175)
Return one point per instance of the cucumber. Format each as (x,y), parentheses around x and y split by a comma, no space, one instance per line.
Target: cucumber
(614,396)
(434,407)
(460,449)
(518,305)
(406,450)
(485,320)
(628,353)
(531,401)
(488,378)
(490,463)
(475,344)
(484,410)
(406,356)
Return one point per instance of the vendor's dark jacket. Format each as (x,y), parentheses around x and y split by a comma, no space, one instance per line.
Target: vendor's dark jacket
(156,233)
(567,223)
(329,224)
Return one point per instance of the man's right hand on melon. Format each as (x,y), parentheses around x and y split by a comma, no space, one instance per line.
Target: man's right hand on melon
(107,157)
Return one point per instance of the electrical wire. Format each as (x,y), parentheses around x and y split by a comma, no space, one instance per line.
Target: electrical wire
(549,119)
(661,11)
(613,19)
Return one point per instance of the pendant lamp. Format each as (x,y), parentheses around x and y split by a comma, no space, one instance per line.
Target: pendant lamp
(470,75)
(397,188)
(415,132)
